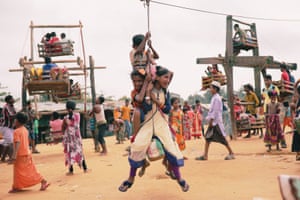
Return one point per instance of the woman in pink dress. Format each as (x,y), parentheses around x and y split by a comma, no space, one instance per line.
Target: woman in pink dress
(72,139)
(56,128)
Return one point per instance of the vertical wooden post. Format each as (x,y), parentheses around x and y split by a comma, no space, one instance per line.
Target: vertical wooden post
(257,69)
(31,41)
(228,66)
(92,78)
(24,92)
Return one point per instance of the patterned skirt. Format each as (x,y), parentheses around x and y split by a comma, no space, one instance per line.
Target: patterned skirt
(274,133)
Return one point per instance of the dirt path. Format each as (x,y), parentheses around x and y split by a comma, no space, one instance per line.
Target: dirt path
(252,175)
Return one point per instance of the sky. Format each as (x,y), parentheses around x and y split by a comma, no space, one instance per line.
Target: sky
(180,36)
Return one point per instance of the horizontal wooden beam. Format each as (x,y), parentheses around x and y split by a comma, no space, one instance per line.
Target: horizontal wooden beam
(276,65)
(211,60)
(78,68)
(56,26)
(240,61)
(43,62)
(251,61)
(248,61)
(69,68)
(76,74)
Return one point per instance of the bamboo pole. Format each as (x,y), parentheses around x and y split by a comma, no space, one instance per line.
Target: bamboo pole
(257,70)
(31,41)
(56,26)
(53,61)
(228,66)
(92,78)
(69,68)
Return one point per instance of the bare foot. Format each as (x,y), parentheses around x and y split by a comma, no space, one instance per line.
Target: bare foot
(143,169)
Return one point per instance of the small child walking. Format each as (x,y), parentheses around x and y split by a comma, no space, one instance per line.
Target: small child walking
(93,130)
(273,134)
(119,129)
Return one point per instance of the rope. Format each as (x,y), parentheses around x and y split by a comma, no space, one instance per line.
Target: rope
(147,3)
(148,14)
(226,14)
(24,43)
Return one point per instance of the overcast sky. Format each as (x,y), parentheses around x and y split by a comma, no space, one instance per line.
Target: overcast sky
(179,36)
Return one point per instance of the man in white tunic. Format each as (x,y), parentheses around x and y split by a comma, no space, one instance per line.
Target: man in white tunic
(215,131)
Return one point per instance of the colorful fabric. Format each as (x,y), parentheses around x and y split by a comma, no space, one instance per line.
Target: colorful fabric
(176,122)
(92,122)
(196,124)
(25,173)
(36,127)
(287,121)
(285,76)
(138,59)
(273,134)
(72,141)
(21,136)
(187,125)
(56,126)
(156,124)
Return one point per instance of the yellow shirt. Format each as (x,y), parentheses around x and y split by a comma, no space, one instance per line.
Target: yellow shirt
(251,98)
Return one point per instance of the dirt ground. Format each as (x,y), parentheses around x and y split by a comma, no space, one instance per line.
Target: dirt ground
(252,175)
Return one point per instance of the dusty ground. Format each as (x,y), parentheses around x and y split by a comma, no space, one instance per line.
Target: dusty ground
(252,175)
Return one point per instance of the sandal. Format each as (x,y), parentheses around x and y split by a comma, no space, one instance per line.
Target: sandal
(200,158)
(44,186)
(229,157)
(184,186)
(125,186)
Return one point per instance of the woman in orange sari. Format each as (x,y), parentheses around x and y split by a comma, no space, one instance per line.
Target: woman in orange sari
(176,122)
(25,173)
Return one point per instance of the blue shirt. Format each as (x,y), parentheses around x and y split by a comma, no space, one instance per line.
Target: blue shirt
(48,67)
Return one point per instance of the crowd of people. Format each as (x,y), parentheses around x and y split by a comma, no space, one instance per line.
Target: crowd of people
(155,123)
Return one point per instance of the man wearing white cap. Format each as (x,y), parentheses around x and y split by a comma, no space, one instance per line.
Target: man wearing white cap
(215,131)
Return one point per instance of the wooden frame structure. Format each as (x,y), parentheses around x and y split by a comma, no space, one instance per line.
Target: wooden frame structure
(54,87)
(258,63)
